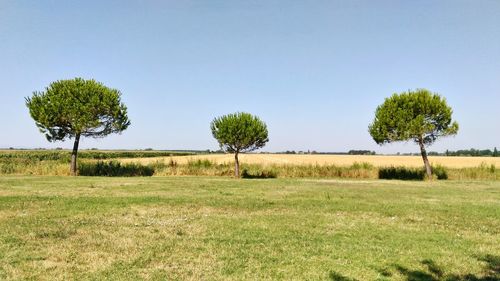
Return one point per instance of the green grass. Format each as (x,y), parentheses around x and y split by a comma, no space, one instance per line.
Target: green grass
(200,228)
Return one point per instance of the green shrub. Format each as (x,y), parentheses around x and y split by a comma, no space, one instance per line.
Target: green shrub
(401,173)
(114,169)
(265,174)
(440,172)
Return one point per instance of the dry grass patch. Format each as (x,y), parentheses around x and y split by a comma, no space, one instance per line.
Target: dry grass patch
(339,160)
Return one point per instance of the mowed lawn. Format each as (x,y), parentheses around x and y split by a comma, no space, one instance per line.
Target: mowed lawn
(196,228)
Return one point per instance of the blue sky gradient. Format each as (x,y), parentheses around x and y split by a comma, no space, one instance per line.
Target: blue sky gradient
(314,71)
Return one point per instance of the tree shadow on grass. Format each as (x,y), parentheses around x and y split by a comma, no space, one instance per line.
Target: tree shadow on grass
(334,276)
(434,272)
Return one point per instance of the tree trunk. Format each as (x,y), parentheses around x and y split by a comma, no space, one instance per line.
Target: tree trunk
(74,154)
(424,156)
(236,165)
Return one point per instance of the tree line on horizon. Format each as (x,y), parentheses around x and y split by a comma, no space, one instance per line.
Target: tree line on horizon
(461,152)
(75,108)
(473,152)
(150,152)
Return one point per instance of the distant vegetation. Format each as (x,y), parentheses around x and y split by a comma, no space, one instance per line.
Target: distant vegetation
(473,152)
(55,162)
(361,152)
(63,155)
(462,152)
(96,163)
(350,152)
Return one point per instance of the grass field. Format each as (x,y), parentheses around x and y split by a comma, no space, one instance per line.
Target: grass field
(339,160)
(202,228)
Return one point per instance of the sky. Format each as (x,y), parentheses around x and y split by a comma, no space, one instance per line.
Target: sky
(314,71)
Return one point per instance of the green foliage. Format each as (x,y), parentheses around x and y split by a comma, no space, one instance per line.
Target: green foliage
(68,108)
(64,156)
(413,115)
(401,173)
(20,166)
(440,172)
(361,152)
(115,169)
(37,155)
(264,174)
(472,152)
(76,108)
(130,154)
(407,173)
(239,132)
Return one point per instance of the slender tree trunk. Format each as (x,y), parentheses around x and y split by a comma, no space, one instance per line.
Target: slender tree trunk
(74,155)
(236,165)
(424,156)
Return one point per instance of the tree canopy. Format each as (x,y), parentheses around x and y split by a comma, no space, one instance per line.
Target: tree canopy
(420,115)
(70,107)
(75,108)
(239,132)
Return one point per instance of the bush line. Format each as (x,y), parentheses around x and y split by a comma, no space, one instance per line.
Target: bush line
(31,166)
(65,156)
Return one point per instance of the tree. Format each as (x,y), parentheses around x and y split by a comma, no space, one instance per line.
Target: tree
(239,132)
(495,152)
(70,109)
(417,115)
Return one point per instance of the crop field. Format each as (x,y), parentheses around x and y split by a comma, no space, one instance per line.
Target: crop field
(339,160)
(212,228)
(162,163)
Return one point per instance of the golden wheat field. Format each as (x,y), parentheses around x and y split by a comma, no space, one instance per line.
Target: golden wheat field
(339,160)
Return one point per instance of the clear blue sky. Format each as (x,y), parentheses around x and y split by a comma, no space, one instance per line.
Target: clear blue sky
(314,71)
